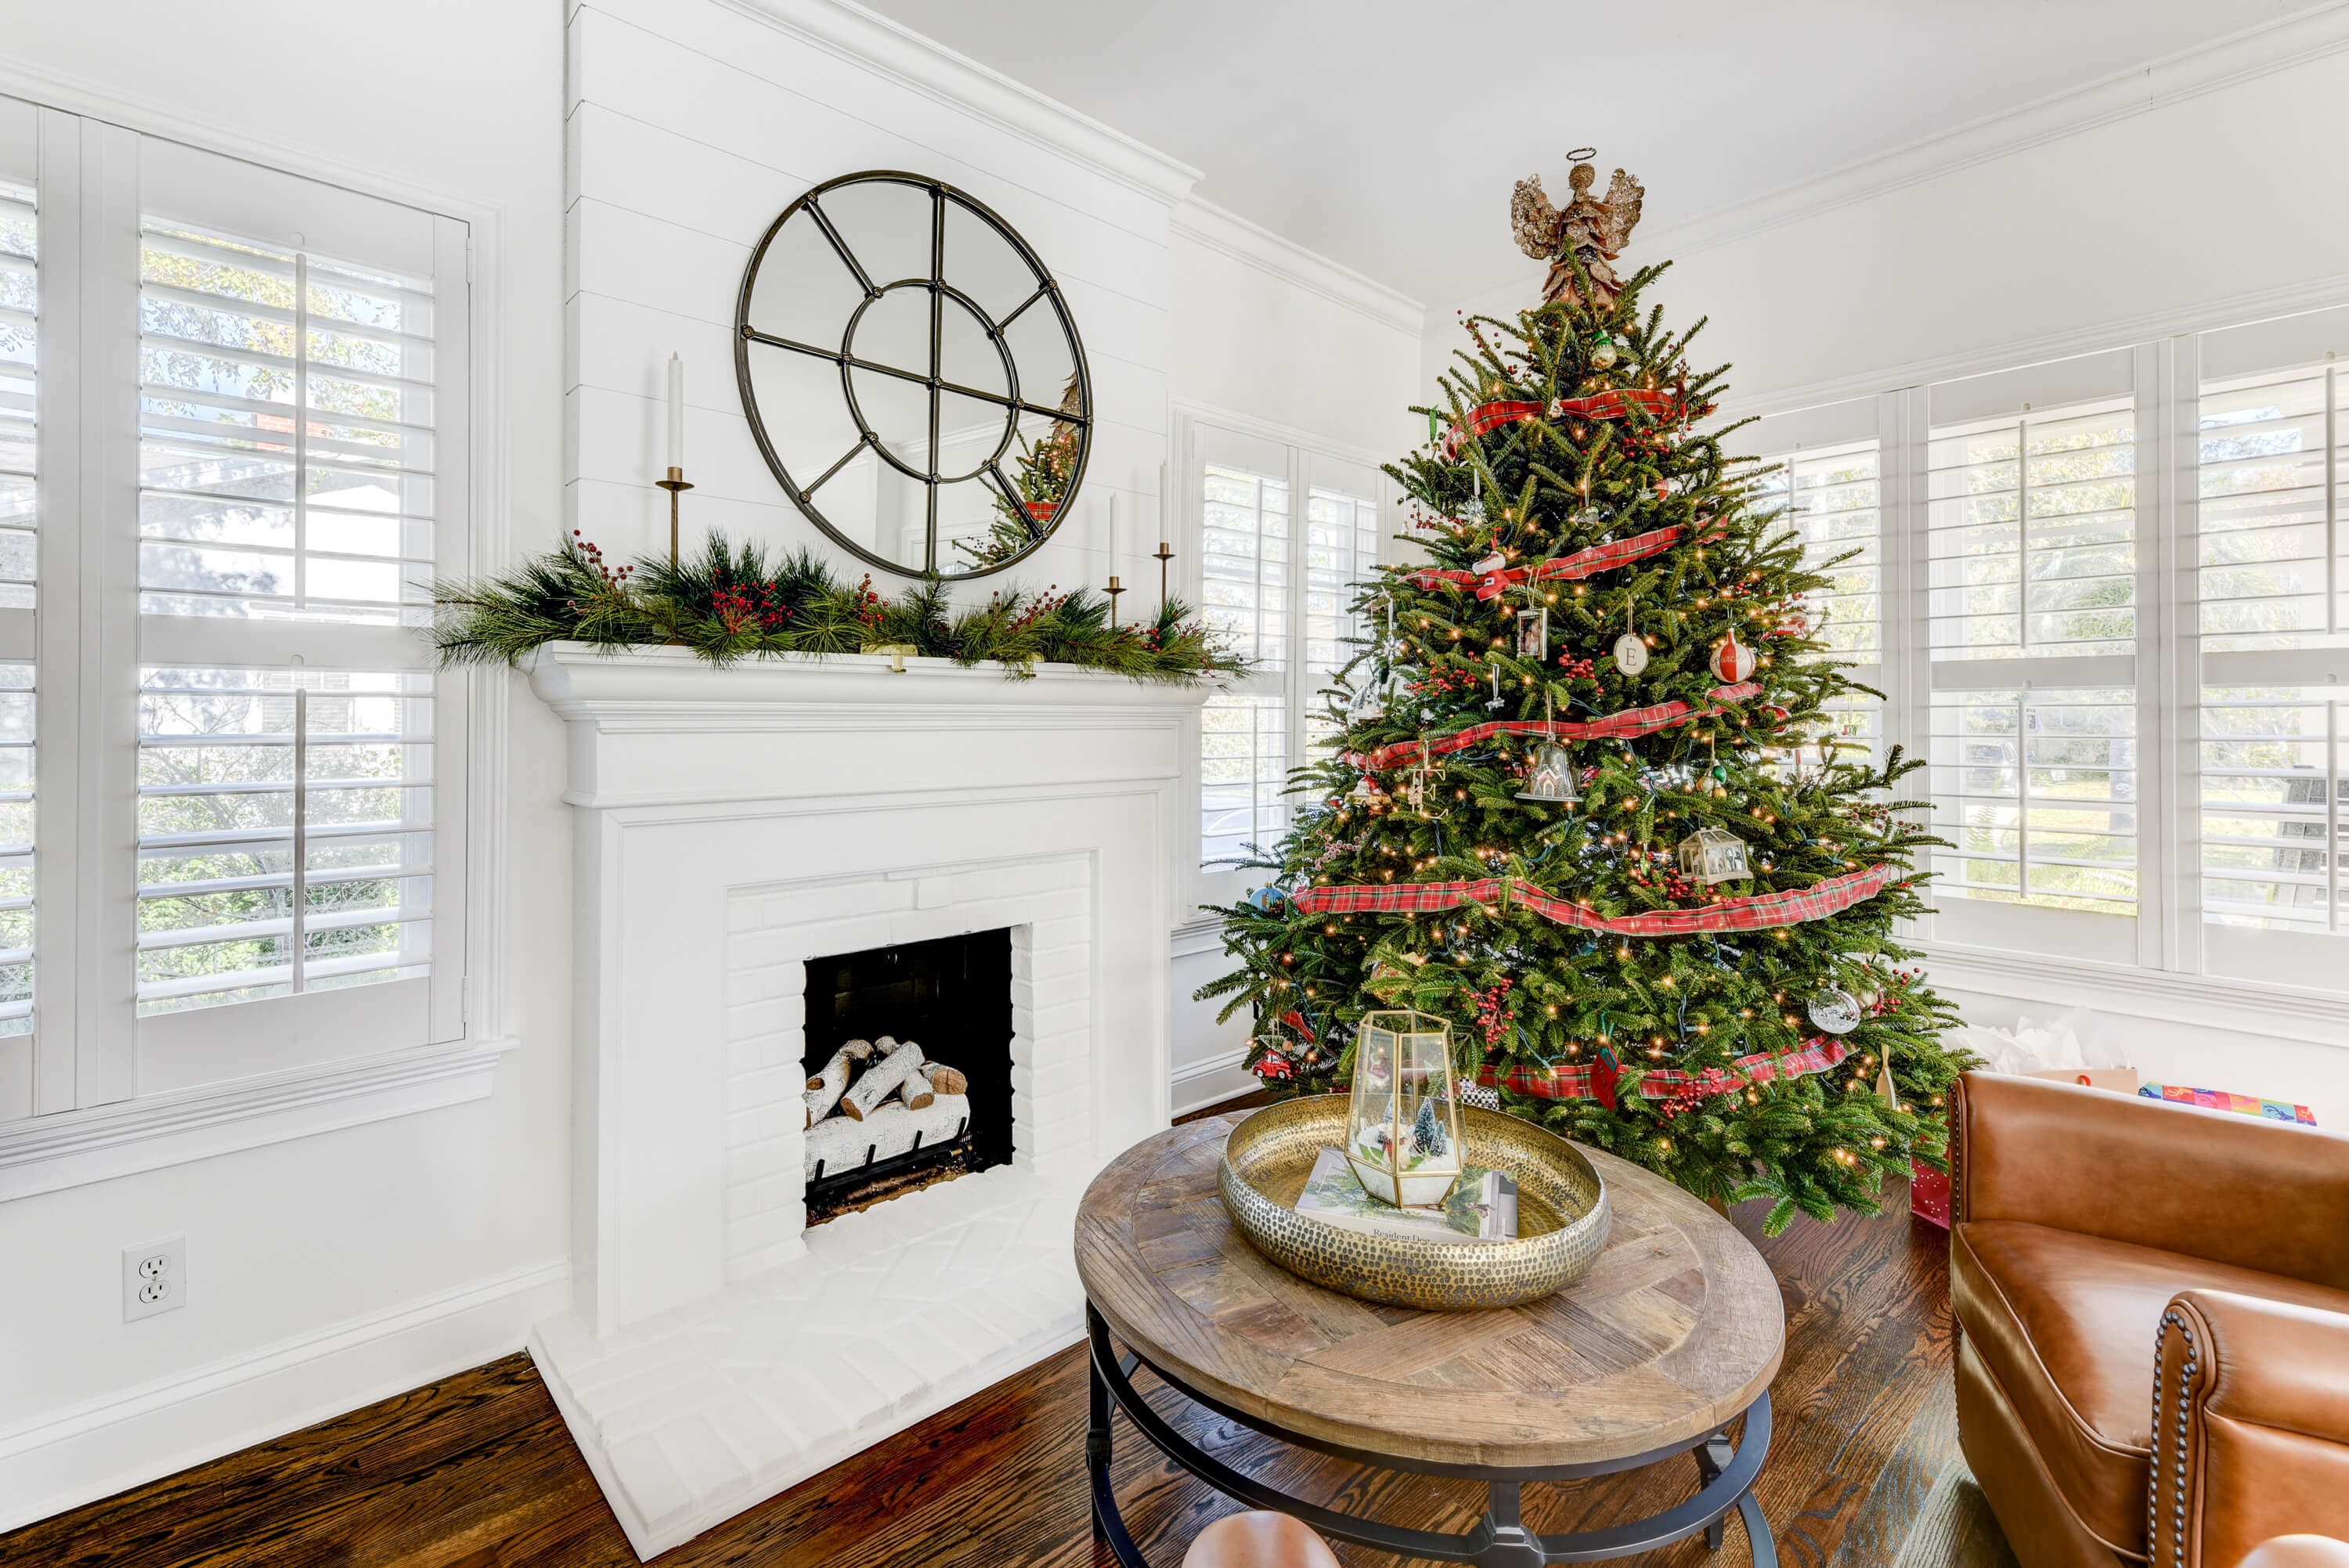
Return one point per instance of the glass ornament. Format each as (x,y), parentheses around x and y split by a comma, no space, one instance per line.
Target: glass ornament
(1403,1124)
(1733,661)
(1713,855)
(1551,779)
(1604,353)
(1834,1010)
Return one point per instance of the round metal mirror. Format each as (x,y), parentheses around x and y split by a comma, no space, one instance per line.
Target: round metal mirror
(912,375)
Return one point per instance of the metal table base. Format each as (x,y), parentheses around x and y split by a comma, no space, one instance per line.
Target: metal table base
(1500,1539)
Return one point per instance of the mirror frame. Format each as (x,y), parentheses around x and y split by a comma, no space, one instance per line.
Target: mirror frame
(1048,291)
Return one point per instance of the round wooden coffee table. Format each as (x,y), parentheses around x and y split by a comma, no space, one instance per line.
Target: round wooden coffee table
(1674,1333)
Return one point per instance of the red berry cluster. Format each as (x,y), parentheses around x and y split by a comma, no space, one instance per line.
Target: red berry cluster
(761,605)
(1494,1015)
(1038,608)
(596,559)
(868,603)
(1442,679)
(1575,669)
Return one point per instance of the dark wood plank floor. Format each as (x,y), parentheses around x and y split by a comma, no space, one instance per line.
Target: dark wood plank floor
(476,1471)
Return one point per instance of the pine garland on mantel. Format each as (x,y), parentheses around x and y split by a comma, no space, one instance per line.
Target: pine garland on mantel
(733,603)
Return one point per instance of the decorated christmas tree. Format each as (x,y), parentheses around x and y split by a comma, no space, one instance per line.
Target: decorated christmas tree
(1584,797)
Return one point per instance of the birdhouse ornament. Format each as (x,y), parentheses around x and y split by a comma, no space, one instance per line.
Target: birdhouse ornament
(1712,855)
(1551,779)
(1733,661)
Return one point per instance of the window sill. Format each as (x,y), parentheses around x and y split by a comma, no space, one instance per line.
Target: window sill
(2245,1007)
(69,1149)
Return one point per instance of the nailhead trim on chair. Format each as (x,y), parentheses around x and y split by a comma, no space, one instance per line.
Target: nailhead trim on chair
(2173,1318)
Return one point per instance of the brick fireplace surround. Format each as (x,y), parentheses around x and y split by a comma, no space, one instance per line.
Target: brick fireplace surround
(732,825)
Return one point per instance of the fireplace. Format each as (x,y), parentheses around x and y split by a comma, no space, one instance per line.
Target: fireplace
(753,842)
(952,997)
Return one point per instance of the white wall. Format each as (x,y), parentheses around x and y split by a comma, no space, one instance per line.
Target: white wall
(1271,335)
(338,1268)
(2174,201)
(693,123)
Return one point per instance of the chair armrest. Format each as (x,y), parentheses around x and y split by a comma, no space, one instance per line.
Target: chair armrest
(2250,1428)
(2230,1189)
(2298,1552)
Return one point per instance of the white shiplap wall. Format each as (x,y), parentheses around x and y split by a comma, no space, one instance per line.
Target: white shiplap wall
(691,124)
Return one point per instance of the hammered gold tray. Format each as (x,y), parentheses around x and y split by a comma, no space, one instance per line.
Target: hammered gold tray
(1562,1213)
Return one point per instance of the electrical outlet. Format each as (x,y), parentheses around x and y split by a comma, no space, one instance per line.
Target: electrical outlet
(154,1278)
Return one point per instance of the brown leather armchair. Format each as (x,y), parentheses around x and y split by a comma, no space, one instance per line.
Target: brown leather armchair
(2133,1279)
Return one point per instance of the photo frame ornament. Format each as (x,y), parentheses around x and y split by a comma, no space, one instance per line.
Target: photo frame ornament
(1533,634)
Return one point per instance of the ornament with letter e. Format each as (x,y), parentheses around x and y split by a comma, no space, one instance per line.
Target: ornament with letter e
(1733,661)
(1631,648)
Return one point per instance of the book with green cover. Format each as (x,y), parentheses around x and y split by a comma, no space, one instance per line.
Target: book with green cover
(1482,1205)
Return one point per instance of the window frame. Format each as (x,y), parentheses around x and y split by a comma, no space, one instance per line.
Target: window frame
(1306,462)
(2168,949)
(86,1075)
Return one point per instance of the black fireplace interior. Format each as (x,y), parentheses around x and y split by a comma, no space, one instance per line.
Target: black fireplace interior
(953,996)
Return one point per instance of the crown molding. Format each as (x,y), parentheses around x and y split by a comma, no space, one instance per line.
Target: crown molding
(864,39)
(2294,40)
(1229,234)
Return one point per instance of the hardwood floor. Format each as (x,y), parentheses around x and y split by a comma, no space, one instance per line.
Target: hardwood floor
(476,1471)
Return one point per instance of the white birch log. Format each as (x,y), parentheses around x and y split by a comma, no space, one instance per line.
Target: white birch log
(840,1143)
(916,1091)
(880,1080)
(824,1089)
(947,1080)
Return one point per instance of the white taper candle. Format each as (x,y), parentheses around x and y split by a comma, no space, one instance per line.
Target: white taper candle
(675,412)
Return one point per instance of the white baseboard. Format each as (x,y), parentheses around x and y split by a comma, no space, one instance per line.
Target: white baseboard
(93,1450)
(1212,1081)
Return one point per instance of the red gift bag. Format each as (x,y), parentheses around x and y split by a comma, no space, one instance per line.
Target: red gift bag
(1929,1193)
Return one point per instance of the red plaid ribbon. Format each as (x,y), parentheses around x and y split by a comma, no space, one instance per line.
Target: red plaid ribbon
(1627,725)
(1565,567)
(1661,1083)
(1607,405)
(1757,911)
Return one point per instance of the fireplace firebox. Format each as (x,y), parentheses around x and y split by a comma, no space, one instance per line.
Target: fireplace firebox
(952,997)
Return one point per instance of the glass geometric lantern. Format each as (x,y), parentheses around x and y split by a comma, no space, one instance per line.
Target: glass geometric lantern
(1551,777)
(1710,855)
(1402,1129)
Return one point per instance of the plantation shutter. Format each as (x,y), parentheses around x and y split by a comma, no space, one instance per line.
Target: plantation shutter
(27,1080)
(1825,467)
(1286,535)
(295,392)
(2270,618)
(2033,582)
(1247,566)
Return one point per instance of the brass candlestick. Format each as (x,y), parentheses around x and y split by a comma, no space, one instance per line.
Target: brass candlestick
(673,484)
(1163,557)
(1113,592)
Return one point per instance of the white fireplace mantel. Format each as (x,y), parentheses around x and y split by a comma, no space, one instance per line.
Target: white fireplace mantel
(663,726)
(732,823)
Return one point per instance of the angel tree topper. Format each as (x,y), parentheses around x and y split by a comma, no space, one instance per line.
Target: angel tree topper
(1593,233)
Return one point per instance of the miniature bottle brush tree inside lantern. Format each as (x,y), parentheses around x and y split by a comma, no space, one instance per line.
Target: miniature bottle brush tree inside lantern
(1403,1128)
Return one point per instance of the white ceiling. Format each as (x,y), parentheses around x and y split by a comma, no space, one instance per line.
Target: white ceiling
(1387,135)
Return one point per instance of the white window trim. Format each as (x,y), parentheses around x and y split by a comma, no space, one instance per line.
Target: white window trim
(2166,981)
(1198,888)
(71,1147)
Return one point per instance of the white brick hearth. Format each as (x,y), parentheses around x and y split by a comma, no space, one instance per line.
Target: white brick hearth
(732,825)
